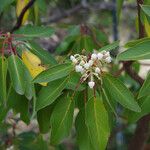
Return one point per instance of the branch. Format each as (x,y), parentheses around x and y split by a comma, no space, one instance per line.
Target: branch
(88,6)
(141,134)
(20,18)
(128,68)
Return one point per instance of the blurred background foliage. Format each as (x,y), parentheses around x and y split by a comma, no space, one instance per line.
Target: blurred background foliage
(76,24)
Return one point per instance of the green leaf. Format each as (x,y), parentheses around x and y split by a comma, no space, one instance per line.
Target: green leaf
(146,9)
(83,139)
(28,85)
(44,55)
(74,82)
(29,31)
(62,119)
(17,73)
(87,43)
(97,122)
(43,118)
(118,91)
(145,89)
(119,7)
(64,45)
(135,42)
(110,46)
(144,103)
(19,104)
(4,4)
(137,52)
(54,73)
(50,93)
(3,74)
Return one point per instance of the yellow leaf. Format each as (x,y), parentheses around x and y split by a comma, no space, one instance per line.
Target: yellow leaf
(147,27)
(19,7)
(33,63)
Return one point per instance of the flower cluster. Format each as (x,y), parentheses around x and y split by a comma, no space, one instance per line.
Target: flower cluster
(90,66)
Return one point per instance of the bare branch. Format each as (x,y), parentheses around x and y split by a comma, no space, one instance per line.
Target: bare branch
(84,6)
(20,18)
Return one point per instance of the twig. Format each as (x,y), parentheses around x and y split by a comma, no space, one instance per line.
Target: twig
(89,6)
(128,68)
(20,18)
(142,131)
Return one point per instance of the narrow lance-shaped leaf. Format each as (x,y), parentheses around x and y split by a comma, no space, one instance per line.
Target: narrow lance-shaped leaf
(19,104)
(119,7)
(138,52)
(145,89)
(17,74)
(118,91)
(110,46)
(3,74)
(97,123)
(146,9)
(54,73)
(62,119)
(43,54)
(43,118)
(29,31)
(50,93)
(144,103)
(83,139)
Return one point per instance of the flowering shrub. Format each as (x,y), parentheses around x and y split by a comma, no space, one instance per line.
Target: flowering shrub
(82,92)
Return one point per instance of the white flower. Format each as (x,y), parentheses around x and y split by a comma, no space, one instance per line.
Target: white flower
(99,56)
(90,62)
(86,65)
(82,62)
(108,59)
(91,84)
(107,54)
(79,68)
(93,56)
(97,70)
(74,61)
(104,52)
(72,57)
